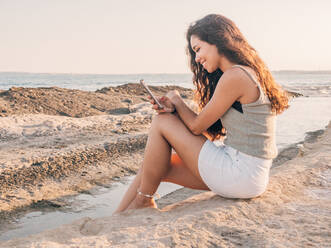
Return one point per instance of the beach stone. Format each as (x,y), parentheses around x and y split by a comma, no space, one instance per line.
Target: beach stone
(78,103)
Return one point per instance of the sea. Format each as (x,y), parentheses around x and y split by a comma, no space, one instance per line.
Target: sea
(309,83)
(308,113)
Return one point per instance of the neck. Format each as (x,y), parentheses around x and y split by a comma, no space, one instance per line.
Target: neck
(225,64)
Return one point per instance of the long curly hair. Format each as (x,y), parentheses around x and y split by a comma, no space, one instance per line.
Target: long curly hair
(230,42)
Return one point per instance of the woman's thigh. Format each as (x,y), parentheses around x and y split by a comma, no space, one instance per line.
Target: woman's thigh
(180,138)
(180,174)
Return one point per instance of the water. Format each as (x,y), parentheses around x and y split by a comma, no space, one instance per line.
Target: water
(310,83)
(90,82)
(305,114)
(99,202)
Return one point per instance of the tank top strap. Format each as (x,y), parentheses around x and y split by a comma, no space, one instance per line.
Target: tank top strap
(253,79)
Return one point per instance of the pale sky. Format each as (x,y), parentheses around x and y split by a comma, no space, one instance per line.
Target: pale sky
(148,36)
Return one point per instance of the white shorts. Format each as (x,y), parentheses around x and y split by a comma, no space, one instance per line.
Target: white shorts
(233,174)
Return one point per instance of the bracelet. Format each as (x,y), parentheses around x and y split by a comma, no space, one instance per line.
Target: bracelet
(147,195)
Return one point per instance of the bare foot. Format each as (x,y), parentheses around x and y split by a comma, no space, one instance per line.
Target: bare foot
(142,202)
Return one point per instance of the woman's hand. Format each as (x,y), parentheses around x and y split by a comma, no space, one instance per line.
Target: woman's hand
(166,101)
(172,95)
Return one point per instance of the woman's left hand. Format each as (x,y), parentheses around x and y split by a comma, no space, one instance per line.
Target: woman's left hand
(168,106)
(167,102)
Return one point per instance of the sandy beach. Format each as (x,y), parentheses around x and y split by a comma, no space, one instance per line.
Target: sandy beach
(50,148)
(57,142)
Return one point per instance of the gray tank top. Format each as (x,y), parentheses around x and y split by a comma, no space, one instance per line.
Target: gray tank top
(253,131)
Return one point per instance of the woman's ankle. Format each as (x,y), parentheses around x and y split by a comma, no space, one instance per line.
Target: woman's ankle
(142,202)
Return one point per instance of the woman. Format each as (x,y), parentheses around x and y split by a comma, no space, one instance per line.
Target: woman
(238,97)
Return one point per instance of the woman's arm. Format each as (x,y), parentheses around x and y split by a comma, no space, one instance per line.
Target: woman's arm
(230,88)
(184,112)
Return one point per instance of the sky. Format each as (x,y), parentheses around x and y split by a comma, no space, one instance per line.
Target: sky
(148,36)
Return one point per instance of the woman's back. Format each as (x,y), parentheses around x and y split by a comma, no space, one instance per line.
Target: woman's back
(253,131)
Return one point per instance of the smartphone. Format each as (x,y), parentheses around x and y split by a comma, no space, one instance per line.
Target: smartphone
(151,94)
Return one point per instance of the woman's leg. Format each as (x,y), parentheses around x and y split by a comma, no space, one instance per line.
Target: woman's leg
(178,174)
(167,131)
(130,193)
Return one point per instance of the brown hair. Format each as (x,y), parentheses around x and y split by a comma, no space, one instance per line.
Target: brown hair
(222,32)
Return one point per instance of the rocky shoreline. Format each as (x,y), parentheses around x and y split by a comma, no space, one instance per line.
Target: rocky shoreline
(52,135)
(56,142)
(78,103)
(293,212)
(52,151)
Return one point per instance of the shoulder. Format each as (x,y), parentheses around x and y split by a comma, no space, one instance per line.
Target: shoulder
(233,78)
(235,74)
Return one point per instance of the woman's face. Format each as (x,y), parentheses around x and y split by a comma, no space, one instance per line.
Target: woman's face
(205,54)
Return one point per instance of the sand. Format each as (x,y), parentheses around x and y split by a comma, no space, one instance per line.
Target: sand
(78,103)
(57,149)
(45,155)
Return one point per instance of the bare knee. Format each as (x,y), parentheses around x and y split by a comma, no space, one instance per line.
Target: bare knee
(164,120)
(162,117)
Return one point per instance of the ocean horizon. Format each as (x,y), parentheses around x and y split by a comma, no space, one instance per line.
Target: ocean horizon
(308,83)
(160,73)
